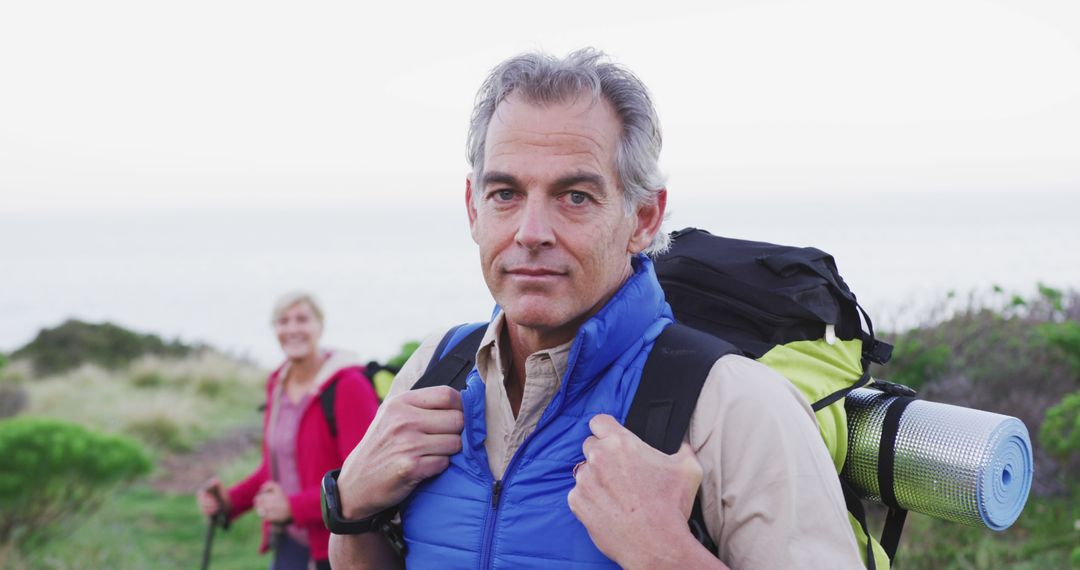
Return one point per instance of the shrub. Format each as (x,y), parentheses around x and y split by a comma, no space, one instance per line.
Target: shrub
(55,471)
(12,400)
(74,342)
(1003,353)
(1060,432)
(15,372)
(914,364)
(209,386)
(147,379)
(1065,337)
(407,350)
(159,431)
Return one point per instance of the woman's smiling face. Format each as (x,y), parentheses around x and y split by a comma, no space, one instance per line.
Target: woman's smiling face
(298,331)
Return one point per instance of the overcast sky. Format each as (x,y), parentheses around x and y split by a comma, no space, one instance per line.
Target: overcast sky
(147,104)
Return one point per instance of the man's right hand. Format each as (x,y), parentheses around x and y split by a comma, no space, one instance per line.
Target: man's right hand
(412,438)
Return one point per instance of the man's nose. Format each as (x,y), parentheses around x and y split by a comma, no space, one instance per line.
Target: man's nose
(534,227)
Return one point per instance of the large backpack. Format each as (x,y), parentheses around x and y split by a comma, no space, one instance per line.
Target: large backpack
(784,306)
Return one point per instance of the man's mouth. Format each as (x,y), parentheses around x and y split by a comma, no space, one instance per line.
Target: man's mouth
(534,271)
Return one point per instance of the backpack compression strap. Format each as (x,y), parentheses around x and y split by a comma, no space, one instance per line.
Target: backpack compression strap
(894,521)
(674,374)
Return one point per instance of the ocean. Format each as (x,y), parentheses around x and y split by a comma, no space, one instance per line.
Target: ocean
(388,274)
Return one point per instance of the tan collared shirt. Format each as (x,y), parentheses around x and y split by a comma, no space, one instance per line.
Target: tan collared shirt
(770,494)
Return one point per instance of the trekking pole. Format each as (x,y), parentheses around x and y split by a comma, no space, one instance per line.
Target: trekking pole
(219,518)
(277,534)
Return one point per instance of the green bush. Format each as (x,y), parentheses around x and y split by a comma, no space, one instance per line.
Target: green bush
(407,350)
(1065,337)
(210,387)
(915,363)
(147,379)
(74,342)
(55,471)
(1010,354)
(1060,432)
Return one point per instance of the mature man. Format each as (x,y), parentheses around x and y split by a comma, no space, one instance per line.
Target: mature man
(529,466)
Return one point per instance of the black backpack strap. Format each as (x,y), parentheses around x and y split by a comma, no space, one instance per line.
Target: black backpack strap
(450,365)
(894,522)
(671,382)
(855,507)
(863,380)
(441,347)
(326,399)
(453,358)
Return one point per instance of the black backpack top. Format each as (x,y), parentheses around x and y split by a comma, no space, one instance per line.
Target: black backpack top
(757,295)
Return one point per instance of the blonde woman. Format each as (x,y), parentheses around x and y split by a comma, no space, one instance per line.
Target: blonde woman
(299,444)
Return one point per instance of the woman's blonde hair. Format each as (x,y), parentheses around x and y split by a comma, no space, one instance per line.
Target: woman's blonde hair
(291,298)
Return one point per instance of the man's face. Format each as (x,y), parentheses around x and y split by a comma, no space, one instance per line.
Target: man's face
(549,217)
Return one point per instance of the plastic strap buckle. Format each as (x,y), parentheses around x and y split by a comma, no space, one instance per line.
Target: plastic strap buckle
(894,389)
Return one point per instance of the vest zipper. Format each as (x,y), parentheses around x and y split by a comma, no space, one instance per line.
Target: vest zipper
(498,485)
(489,526)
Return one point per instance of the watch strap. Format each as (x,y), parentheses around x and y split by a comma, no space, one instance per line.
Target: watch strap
(333,517)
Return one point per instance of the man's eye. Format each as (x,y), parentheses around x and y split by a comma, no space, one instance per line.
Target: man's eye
(578,198)
(504,195)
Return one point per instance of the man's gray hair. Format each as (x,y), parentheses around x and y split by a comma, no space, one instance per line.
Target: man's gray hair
(544,79)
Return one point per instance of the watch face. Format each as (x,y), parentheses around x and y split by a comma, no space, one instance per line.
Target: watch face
(331,506)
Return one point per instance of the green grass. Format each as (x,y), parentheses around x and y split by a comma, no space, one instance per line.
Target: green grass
(170,405)
(1046,536)
(144,529)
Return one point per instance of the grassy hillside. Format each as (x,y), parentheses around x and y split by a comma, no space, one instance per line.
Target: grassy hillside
(1014,355)
(143,528)
(178,404)
(74,343)
(1018,356)
(169,404)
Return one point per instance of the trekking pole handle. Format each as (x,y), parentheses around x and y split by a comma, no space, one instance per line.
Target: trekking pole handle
(220,518)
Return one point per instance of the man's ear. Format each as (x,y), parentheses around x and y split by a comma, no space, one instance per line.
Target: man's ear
(649,217)
(470,206)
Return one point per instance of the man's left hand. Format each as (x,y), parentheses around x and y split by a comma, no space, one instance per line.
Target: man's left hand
(634,500)
(271,504)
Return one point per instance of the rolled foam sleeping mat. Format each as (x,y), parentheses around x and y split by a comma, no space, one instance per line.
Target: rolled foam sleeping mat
(954,463)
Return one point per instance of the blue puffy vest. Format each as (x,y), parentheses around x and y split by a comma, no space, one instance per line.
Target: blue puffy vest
(464,518)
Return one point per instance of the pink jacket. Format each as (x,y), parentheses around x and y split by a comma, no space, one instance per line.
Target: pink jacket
(355,404)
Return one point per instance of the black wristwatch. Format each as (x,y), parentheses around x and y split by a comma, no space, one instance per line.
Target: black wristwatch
(331,511)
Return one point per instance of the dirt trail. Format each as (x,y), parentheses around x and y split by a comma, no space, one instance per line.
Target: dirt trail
(184,472)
